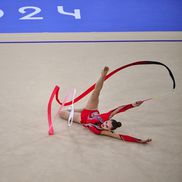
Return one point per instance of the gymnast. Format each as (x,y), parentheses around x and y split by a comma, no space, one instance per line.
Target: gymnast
(102,124)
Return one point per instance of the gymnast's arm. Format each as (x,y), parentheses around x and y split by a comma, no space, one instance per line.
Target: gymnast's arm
(125,137)
(124,108)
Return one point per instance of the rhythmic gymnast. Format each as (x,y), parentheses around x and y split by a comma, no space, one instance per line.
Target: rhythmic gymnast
(102,124)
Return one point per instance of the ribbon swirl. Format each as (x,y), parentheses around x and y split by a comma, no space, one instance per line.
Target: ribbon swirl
(55,92)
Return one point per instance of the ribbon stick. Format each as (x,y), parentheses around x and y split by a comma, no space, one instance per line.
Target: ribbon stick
(146,100)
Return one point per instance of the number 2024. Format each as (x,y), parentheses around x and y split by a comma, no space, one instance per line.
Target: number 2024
(36,10)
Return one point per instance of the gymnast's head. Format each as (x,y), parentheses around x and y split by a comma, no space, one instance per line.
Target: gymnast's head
(111,125)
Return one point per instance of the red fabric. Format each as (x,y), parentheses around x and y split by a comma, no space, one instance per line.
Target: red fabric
(106,116)
(114,72)
(129,138)
(87,116)
(90,116)
(94,130)
(49,110)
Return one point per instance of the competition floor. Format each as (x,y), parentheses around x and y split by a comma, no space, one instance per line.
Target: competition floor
(28,74)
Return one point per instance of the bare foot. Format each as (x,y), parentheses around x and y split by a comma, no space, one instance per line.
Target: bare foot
(104,71)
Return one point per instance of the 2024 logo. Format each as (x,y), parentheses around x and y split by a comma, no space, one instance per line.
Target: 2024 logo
(35,11)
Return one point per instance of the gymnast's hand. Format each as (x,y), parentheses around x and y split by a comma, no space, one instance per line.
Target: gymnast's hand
(145,141)
(137,103)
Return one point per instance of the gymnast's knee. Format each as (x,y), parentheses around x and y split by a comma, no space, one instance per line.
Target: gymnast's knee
(63,114)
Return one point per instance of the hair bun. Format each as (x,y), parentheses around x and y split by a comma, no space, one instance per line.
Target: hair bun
(115,124)
(119,124)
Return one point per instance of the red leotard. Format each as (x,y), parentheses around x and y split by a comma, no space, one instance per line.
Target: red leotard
(92,119)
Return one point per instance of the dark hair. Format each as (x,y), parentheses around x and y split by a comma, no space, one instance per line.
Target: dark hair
(115,124)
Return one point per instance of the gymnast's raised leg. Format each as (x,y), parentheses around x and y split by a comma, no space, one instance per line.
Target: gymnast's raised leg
(93,101)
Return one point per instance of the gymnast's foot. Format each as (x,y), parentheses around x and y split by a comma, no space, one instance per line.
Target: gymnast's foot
(104,71)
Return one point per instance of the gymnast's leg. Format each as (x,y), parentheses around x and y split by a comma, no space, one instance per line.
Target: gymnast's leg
(65,115)
(93,101)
